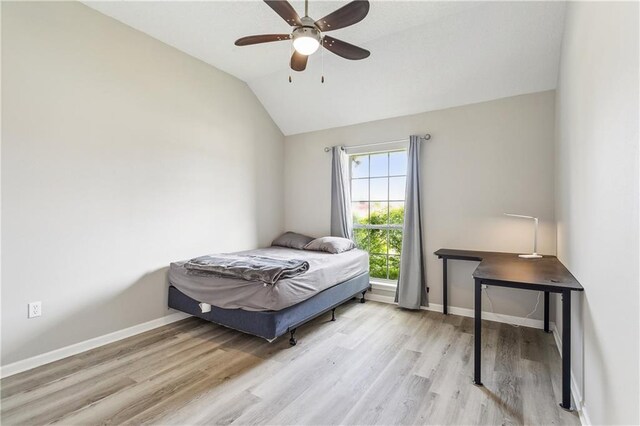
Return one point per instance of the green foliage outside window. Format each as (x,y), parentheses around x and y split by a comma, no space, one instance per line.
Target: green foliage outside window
(383,245)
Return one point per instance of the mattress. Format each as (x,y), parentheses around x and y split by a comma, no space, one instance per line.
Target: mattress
(271,324)
(325,270)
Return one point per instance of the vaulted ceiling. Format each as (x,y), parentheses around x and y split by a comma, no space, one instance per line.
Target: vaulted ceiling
(425,55)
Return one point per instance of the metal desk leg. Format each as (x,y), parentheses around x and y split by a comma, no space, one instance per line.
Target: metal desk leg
(477,345)
(444,286)
(566,350)
(546,311)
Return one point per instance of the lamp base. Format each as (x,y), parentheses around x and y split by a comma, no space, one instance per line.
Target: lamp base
(530,256)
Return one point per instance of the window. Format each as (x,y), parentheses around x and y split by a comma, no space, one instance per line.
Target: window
(377,204)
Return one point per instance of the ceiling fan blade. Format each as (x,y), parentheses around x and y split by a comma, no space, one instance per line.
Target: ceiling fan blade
(262,38)
(344,49)
(298,61)
(286,11)
(348,14)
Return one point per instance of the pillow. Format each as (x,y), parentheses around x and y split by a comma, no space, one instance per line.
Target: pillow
(331,245)
(292,240)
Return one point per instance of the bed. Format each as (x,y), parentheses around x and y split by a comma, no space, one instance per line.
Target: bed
(270,311)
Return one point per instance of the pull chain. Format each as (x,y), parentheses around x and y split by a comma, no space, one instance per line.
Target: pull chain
(289,59)
(322,59)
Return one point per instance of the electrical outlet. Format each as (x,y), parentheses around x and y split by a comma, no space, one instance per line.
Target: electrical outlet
(35,309)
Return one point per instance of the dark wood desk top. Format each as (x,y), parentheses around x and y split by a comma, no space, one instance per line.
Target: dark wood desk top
(547,271)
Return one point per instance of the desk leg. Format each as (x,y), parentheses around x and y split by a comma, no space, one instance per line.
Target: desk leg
(477,345)
(546,311)
(566,350)
(444,286)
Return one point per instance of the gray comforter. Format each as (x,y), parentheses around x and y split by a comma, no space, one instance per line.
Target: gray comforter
(249,267)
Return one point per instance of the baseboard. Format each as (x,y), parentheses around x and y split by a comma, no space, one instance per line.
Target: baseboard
(465,312)
(57,354)
(575,390)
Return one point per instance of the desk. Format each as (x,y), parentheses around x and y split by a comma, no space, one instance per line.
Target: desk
(546,274)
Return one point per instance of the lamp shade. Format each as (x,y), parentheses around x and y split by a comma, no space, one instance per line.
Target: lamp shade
(306,40)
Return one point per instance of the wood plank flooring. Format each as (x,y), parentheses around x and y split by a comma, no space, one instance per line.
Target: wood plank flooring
(377,364)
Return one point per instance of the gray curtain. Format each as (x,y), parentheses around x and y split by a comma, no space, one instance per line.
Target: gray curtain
(341,222)
(411,292)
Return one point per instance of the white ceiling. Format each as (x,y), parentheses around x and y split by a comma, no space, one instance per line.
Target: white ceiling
(425,55)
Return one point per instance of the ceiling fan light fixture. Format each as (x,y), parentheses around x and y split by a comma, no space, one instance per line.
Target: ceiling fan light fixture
(308,34)
(306,40)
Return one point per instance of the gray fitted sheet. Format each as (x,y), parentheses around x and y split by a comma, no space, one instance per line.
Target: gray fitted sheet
(325,270)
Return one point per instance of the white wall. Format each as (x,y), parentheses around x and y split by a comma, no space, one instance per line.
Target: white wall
(597,202)
(483,160)
(119,155)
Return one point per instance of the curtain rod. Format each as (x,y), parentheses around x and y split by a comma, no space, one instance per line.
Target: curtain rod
(424,138)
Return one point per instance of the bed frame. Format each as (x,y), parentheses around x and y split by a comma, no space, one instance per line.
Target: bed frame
(273,324)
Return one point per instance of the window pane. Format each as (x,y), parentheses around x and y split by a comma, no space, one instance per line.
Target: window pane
(396,213)
(362,238)
(379,214)
(397,188)
(360,189)
(360,212)
(378,266)
(378,241)
(395,241)
(394,267)
(379,164)
(379,189)
(398,163)
(359,166)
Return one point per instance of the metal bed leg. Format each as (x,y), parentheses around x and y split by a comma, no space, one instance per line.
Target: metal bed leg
(293,340)
(362,298)
(333,314)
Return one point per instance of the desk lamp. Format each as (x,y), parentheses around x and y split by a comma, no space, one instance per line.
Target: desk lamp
(535,254)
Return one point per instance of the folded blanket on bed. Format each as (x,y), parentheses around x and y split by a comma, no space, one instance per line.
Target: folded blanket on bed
(251,268)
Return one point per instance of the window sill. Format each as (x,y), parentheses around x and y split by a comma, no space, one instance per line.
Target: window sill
(378,284)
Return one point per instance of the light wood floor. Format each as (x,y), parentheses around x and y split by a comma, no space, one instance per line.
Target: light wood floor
(376,364)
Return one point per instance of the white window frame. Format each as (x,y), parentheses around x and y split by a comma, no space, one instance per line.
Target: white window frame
(380,283)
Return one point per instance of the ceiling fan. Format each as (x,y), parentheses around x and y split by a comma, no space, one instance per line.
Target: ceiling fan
(308,34)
